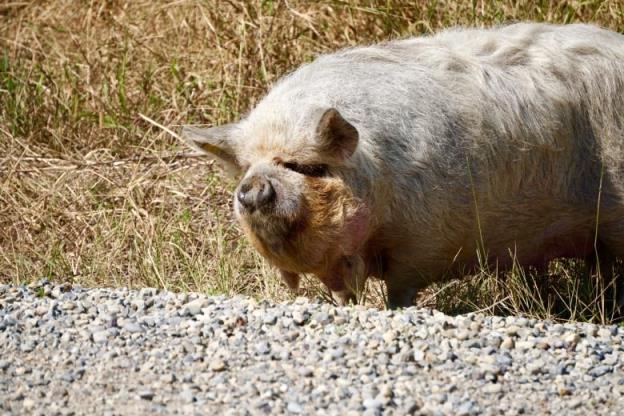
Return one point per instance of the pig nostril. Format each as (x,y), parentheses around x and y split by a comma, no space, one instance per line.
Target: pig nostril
(243,198)
(266,193)
(245,188)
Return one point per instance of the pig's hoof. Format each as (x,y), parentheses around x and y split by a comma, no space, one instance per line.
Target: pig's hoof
(401,299)
(345,297)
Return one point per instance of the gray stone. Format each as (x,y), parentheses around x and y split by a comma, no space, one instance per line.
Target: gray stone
(373,404)
(100,336)
(600,370)
(193,307)
(263,348)
(133,327)
(146,394)
(299,318)
(294,407)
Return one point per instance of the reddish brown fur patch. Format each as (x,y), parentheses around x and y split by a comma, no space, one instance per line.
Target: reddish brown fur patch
(327,229)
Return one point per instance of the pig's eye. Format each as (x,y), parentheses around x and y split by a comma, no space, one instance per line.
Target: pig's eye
(316,171)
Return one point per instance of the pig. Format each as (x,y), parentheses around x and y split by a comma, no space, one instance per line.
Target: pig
(422,159)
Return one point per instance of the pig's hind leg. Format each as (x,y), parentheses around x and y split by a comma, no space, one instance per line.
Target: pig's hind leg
(609,249)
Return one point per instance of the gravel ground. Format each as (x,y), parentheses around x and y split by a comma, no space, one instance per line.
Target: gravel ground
(101,351)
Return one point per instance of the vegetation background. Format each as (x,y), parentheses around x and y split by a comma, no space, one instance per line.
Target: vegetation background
(93,193)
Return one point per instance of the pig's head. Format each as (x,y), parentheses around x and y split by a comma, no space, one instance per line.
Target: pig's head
(293,200)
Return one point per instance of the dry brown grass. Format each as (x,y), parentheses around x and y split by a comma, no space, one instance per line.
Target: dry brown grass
(92,193)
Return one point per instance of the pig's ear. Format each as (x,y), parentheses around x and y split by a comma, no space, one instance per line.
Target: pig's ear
(337,137)
(291,279)
(214,141)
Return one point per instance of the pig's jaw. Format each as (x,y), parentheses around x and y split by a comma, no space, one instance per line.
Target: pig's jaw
(269,232)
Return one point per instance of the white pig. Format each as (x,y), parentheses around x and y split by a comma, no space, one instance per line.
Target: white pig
(417,160)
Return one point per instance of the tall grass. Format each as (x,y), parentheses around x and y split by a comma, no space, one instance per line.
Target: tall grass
(92,193)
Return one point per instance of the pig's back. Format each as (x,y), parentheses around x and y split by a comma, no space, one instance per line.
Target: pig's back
(528,109)
(513,86)
(525,95)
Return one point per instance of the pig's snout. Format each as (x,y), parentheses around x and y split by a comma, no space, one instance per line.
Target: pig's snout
(255,192)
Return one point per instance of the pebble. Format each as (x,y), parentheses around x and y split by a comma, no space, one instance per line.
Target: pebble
(28,403)
(147,394)
(508,343)
(217,365)
(263,348)
(389,337)
(600,371)
(119,351)
(193,307)
(100,336)
(571,339)
(536,367)
(493,388)
(133,327)
(373,404)
(298,318)
(187,395)
(294,407)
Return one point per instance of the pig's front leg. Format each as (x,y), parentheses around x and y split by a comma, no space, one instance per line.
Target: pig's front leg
(400,297)
(344,297)
(291,279)
(347,278)
(402,285)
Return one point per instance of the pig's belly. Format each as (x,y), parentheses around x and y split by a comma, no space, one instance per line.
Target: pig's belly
(531,247)
(538,252)
(565,246)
